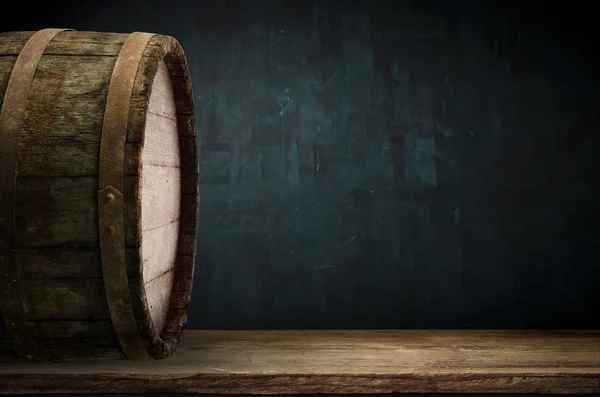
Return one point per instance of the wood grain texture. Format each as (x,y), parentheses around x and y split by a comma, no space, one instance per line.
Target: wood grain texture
(12,120)
(343,362)
(161,189)
(56,193)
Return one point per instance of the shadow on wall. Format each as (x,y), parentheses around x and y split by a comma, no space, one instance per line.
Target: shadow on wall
(383,164)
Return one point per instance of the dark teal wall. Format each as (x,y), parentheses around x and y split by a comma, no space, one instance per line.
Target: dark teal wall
(373,164)
(407,164)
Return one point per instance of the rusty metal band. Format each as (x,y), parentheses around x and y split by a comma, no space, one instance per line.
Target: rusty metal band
(12,118)
(110,196)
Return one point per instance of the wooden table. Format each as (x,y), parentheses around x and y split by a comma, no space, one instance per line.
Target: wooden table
(336,362)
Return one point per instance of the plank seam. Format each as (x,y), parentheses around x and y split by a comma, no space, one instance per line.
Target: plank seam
(12,120)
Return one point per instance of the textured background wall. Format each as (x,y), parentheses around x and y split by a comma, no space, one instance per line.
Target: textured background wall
(385,164)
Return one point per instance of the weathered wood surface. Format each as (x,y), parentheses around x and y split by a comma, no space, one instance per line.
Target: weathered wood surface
(57,239)
(160,197)
(352,362)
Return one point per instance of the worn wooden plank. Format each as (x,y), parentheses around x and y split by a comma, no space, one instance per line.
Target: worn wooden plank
(57,212)
(61,134)
(337,362)
(187,125)
(176,68)
(189,213)
(187,244)
(3,331)
(62,212)
(58,263)
(73,299)
(68,96)
(179,300)
(87,43)
(76,155)
(64,299)
(6,66)
(175,323)
(70,349)
(189,154)
(159,298)
(142,90)
(68,43)
(12,42)
(72,329)
(161,191)
(59,330)
(183,92)
(189,184)
(183,283)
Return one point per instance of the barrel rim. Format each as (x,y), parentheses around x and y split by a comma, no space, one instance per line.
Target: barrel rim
(159,48)
(167,48)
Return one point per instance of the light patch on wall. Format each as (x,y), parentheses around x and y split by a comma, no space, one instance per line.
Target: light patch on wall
(420,160)
(285,102)
(293,176)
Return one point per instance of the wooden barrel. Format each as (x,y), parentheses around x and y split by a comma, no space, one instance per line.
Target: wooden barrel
(98,195)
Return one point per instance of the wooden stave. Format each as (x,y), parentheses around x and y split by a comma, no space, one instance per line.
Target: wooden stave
(159,47)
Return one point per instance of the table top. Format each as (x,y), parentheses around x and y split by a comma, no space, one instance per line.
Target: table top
(336,362)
